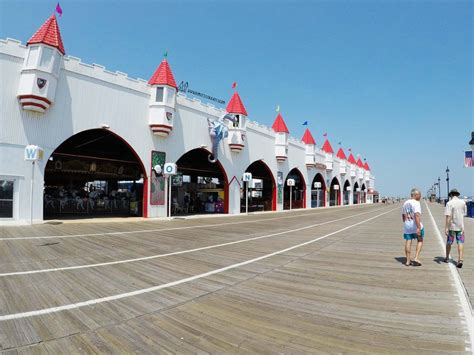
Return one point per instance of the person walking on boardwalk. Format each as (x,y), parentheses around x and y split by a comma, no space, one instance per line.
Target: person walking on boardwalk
(454,228)
(412,227)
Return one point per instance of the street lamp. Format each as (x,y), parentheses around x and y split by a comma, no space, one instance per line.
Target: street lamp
(439,189)
(447,180)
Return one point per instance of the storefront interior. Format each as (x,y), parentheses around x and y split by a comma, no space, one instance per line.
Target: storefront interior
(298,191)
(260,191)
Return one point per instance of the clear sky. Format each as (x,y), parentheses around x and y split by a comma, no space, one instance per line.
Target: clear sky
(392,80)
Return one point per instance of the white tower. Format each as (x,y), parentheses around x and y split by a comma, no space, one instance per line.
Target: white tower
(163,91)
(327,149)
(237,129)
(310,144)
(281,138)
(40,72)
(352,165)
(342,157)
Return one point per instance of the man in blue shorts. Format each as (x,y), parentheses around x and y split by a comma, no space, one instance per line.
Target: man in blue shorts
(454,227)
(412,227)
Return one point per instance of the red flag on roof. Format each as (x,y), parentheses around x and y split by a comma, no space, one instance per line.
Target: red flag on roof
(327,147)
(341,154)
(59,10)
(308,137)
(234,85)
(236,105)
(279,125)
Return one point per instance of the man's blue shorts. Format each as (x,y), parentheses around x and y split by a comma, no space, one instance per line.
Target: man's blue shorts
(413,235)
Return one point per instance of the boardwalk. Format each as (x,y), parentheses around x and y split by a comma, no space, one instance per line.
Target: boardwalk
(306,281)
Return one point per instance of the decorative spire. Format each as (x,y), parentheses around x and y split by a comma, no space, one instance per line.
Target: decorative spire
(235,105)
(341,154)
(308,138)
(327,147)
(279,125)
(351,159)
(163,75)
(49,34)
(359,163)
(366,166)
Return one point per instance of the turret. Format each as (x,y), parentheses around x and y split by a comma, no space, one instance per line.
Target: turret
(163,91)
(327,149)
(366,172)
(310,144)
(238,127)
(40,72)
(360,169)
(342,156)
(353,165)
(281,138)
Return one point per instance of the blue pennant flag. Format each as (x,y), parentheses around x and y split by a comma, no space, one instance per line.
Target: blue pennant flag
(305,123)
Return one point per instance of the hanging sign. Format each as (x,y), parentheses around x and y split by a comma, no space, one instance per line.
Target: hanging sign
(247,177)
(33,153)
(170,169)
(290,182)
(317,185)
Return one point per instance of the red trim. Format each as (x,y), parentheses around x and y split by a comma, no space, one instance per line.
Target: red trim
(23,104)
(162,125)
(160,131)
(237,180)
(35,97)
(236,145)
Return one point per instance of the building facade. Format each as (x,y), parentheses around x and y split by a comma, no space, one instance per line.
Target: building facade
(104,138)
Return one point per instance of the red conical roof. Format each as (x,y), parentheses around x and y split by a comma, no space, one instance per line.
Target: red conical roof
(366,166)
(341,154)
(308,138)
(351,159)
(236,106)
(163,76)
(359,163)
(279,125)
(327,147)
(49,34)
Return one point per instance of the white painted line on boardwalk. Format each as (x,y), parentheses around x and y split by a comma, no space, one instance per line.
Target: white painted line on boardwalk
(29,272)
(176,228)
(174,283)
(461,290)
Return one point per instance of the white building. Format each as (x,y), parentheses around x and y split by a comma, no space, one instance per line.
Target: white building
(102,132)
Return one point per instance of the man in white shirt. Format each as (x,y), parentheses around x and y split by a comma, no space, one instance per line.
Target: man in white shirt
(412,227)
(454,228)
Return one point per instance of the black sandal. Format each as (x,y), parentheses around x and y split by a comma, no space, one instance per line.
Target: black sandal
(415,263)
(459,265)
(446,260)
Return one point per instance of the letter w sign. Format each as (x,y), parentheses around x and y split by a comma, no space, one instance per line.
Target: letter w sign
(33,153)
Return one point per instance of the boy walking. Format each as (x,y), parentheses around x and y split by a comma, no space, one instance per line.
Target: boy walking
(412,227)
(454,228)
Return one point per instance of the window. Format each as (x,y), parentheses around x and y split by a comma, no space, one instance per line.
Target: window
(33,56)
(46,57)
(169,97)
(159,94)
(236,122)
(6,198)
(57,62)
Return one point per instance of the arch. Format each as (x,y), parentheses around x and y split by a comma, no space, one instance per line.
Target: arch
(298,191)
(363,194)
(200,186)
(318,194)
(335,193)
(347,192)
(95,172)
(262,197)
(356,194)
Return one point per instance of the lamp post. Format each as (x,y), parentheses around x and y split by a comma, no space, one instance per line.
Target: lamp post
(447,180)
(439,189)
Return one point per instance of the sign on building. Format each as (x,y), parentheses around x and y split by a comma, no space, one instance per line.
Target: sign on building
(33,153)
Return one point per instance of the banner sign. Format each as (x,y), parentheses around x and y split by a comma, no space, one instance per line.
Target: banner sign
(183,87)
(157,182)
(280,186)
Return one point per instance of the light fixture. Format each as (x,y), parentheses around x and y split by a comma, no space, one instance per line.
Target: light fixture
(105,126)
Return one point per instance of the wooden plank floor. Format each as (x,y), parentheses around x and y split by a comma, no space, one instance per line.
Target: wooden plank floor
(347,292)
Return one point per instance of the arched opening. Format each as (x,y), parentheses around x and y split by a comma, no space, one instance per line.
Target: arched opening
(261,191)
(318,191)
(298,192)
(363,194)
(335,193)
(94,173)
(356,194)
(347,192)
(200,186)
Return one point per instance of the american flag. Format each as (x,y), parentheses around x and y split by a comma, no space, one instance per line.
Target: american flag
(468,159)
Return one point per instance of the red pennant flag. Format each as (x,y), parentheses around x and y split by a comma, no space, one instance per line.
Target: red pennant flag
(234,85)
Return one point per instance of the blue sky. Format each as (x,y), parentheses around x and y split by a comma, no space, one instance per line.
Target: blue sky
(391,79)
